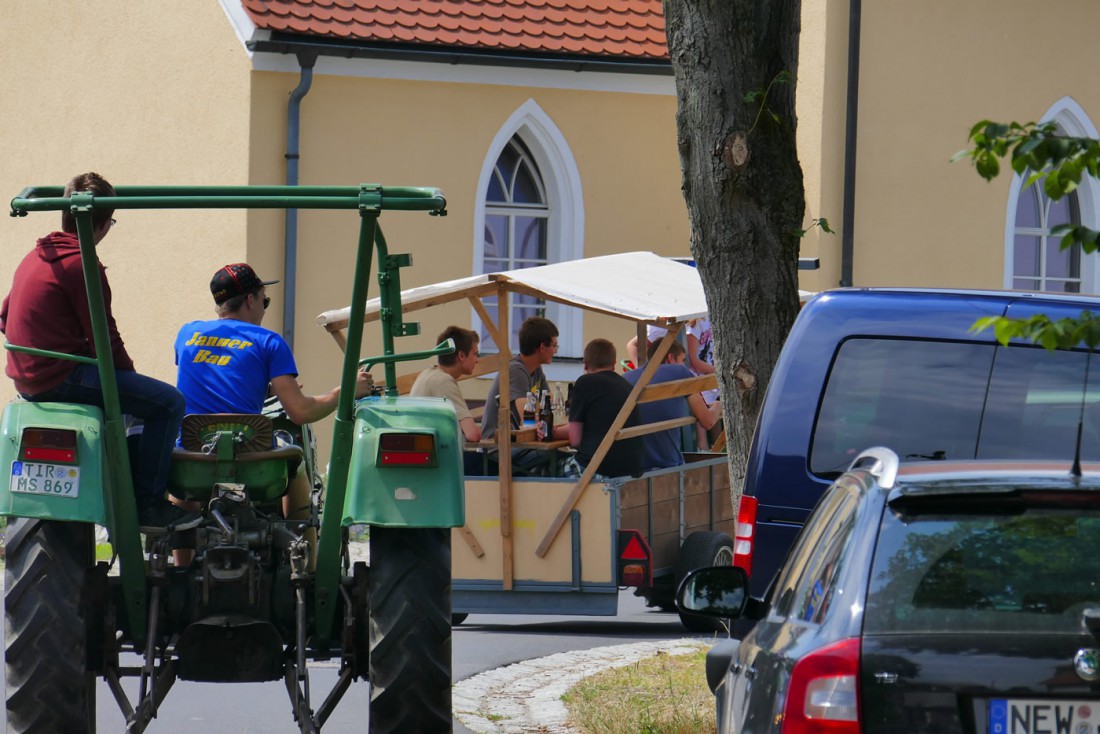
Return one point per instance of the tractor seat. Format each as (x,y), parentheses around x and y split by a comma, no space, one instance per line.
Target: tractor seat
(230,448)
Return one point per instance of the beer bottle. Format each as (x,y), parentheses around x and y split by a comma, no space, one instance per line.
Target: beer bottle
(530,410)
(546,418)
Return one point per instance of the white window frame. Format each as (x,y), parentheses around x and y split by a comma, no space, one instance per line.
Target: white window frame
(1070,118)
(564,198)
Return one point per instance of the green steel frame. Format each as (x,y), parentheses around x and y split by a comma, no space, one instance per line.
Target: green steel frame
(369,200)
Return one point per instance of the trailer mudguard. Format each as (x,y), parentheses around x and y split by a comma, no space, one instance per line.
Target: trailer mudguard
(406,464)
(40,486)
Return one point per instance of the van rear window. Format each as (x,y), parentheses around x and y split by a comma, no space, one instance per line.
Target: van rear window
(930,400)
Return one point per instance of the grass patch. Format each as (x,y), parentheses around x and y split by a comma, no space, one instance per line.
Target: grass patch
(665,694)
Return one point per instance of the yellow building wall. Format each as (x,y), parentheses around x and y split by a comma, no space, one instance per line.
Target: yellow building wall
(820,106)
(929,71)
(399,132)
(143,93)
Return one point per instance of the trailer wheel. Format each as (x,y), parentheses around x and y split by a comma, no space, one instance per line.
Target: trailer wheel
(702,549)
(410,630)
(45,627)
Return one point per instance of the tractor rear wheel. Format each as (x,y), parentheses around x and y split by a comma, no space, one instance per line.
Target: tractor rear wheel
(410,630)
(45,626)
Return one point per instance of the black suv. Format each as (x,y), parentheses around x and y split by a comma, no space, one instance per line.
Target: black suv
(933,597)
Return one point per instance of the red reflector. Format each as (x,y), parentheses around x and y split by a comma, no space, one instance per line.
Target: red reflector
(406,458)
(634,551)
(49,444)
(56,456)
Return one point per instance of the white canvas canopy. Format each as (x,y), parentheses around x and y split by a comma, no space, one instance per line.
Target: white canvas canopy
(639,286)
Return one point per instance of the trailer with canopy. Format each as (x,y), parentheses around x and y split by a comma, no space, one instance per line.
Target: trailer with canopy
(555,545)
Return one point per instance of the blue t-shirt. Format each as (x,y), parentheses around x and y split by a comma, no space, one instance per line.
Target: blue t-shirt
(662,449)
(225,365)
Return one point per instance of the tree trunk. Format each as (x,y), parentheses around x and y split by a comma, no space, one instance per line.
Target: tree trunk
(735,63)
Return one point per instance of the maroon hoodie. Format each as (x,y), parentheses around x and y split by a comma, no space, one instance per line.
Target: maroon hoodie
(48,309)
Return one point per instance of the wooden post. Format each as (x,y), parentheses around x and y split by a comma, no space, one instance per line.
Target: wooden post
(601,451)
(504,435)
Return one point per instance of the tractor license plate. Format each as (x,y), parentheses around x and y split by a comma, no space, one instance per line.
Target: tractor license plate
(31,477)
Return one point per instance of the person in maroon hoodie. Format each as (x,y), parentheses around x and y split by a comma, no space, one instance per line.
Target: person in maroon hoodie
(47,308)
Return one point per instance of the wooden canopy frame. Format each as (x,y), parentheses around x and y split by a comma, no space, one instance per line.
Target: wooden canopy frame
(502,286)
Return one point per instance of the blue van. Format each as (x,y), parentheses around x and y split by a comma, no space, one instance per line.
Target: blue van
(901,368)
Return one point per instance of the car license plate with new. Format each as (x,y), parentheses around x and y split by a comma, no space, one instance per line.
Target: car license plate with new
(1027,716)
(32,477)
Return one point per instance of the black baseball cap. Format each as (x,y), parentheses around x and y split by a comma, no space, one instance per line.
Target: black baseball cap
(235,280)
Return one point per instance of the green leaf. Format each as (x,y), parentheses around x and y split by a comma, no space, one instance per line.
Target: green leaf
(824,224)
(1004,329)
(983,323)
(978,126)
(987,166)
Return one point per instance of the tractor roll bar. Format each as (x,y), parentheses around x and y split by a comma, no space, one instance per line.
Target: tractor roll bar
(370,196)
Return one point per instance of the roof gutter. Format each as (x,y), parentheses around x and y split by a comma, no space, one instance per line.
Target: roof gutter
(847,237)
(289,43)
(306,60)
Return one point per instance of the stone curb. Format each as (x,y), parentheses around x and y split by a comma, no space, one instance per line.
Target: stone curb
(525,697)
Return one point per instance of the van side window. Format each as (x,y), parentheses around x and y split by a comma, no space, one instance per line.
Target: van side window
(933,400)
(1036,399)
(923,399)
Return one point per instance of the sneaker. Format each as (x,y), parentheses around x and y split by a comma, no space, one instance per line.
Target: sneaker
(160,513)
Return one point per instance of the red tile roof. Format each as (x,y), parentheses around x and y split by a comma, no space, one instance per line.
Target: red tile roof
(629,29)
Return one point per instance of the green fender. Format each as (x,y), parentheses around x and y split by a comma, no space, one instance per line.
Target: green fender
(16,498)
(426,492)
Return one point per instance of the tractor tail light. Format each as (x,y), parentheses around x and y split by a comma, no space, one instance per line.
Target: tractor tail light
(745,534)
(51,445)
(406,449)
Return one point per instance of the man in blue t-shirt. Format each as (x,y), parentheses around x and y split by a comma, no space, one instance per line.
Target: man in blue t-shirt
(231,364)
(662,449)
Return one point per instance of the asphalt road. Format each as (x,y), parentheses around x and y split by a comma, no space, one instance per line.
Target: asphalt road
(483,642)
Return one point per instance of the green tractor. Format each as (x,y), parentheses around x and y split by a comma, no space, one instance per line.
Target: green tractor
(264,594)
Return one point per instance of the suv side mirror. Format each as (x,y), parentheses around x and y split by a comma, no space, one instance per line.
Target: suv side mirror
(718,591)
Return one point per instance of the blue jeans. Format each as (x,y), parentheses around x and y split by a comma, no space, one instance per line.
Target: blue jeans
(157,403)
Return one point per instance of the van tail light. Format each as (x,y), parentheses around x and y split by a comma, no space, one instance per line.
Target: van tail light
(406,449)
(745,534)
(50,445)
(822,696)
(635,559)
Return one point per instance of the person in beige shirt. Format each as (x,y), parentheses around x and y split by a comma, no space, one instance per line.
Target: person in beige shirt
(441,381)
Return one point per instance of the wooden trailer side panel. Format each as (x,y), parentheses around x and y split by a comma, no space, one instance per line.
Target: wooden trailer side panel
(652,505)
(535,503)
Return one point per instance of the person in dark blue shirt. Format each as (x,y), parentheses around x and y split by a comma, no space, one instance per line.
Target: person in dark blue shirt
(662,449)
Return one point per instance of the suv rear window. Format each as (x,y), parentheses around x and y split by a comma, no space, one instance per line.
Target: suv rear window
(1024,571)
(932,400)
